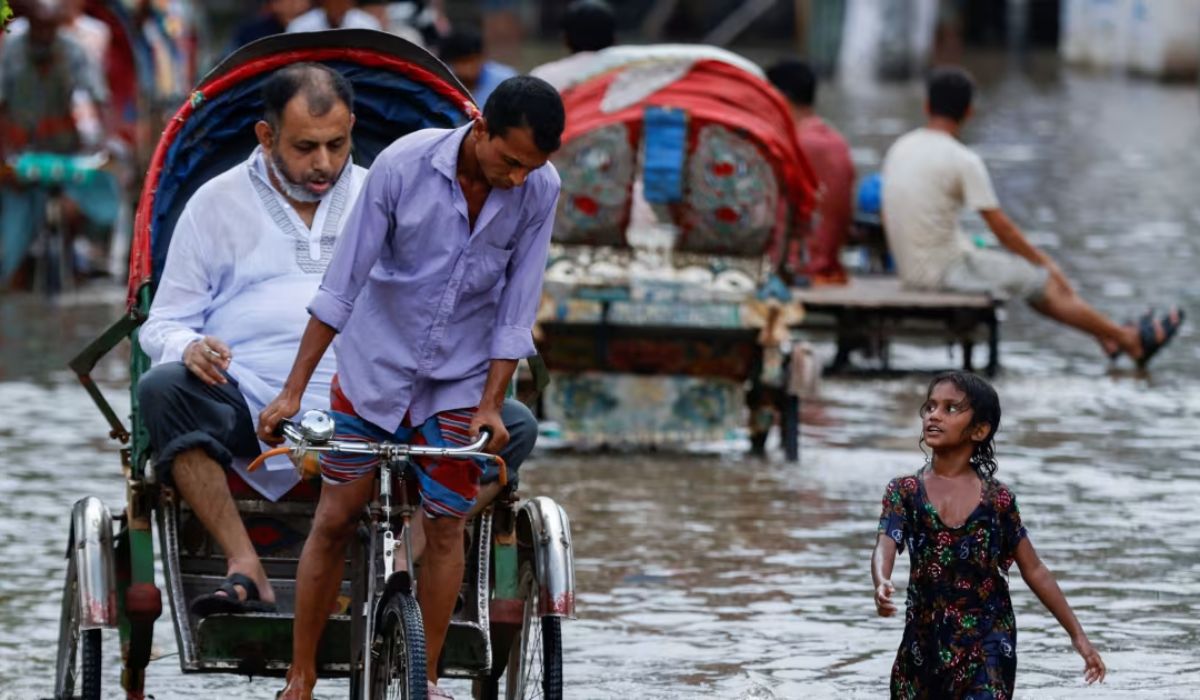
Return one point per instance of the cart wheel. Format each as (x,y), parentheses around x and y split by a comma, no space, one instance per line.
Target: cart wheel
(78,650)
(535,660)
(399,672)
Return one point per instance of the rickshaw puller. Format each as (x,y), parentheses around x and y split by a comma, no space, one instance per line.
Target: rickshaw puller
(434,295)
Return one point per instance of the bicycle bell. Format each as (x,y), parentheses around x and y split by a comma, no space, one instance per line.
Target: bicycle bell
(316,426)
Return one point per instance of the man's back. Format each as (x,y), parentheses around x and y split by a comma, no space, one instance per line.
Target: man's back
(829,155)
(928,177)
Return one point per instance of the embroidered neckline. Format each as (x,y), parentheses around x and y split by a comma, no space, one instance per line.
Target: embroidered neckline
(338,198)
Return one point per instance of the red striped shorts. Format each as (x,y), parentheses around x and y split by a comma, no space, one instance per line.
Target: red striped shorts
(448,487)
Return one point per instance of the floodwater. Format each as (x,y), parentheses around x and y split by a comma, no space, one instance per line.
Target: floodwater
(712,575)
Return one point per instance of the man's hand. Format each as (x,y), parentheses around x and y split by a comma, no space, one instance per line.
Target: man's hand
(883,599)
(208,358)
(490,418)
(284,406)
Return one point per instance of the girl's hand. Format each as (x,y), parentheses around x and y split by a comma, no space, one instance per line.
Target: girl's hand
(1093,669)
(883,600)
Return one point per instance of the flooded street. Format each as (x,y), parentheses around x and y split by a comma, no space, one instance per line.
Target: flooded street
(718,576)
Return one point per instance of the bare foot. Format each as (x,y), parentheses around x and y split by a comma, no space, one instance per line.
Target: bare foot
(296,689)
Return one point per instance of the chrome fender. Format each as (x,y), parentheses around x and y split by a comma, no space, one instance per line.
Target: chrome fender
(544,524)
(91,545)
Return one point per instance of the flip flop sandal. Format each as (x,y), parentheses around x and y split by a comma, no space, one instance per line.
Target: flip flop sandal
(1148,334)
(435,693)
(224,601)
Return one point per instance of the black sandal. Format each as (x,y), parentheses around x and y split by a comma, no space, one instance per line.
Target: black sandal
(1148,333)
(224,600)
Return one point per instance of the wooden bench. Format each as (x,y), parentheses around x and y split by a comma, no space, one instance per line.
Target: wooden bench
(869,311)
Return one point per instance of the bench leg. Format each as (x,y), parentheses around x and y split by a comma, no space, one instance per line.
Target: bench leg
(968,349)
(993,365)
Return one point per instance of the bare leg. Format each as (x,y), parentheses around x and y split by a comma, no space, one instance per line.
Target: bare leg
(487,494)
(1064,305)
(201,482)
(438,582)
(320,575)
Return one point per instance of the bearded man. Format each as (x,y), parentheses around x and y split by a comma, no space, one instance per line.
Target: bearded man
(248,252)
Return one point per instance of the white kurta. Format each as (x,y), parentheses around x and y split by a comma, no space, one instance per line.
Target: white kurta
(242,266)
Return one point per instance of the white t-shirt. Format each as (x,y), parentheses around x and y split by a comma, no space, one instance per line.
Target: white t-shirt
(316,20)
(928,177)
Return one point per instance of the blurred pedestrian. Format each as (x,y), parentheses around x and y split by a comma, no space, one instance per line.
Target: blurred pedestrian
(273,18)
(829,156)
(462,50)
(41,70)
(334,14)
(588,26)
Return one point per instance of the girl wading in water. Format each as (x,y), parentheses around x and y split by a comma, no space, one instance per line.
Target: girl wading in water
(963,531)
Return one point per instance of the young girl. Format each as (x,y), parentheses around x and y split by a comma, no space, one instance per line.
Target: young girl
(963,531)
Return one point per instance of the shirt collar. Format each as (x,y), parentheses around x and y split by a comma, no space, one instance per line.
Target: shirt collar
(445,156)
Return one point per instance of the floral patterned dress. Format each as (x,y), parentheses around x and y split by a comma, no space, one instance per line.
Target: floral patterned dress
(960,635)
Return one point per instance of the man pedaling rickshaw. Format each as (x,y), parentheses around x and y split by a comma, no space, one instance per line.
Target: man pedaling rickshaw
(432,295)
(247,253)
(43,72)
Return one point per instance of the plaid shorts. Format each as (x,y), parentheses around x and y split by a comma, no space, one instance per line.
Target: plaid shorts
(448,487)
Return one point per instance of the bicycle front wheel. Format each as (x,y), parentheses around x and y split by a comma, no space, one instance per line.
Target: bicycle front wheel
(398,671)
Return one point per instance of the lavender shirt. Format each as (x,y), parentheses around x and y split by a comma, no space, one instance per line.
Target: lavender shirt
(422,304)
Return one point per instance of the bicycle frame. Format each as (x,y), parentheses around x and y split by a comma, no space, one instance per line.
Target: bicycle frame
(381,522)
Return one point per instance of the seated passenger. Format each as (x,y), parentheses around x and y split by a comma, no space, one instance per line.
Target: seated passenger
(829,155)
(929,176)
(247,254)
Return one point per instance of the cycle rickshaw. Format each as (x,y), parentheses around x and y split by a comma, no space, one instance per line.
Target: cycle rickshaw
(519,578)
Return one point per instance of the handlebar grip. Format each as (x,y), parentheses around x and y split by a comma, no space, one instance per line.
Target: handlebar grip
(258,461)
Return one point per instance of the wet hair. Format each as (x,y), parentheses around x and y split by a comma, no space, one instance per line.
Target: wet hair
(985,408)
(524,101)
(321,85)
(460,44)
(589,25)
(950,91)
(796,80)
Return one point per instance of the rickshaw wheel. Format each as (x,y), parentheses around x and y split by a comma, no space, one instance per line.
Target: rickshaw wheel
(75,645)
(399,668)
(535,660)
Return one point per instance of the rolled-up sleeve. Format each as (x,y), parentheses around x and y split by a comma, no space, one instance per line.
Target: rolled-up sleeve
(184,295)
(369,224)
(512,337)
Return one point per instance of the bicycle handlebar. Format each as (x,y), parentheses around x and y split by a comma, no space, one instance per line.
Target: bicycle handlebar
(307,441)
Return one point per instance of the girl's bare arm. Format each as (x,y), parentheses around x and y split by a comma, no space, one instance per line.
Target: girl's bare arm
(1042,583)
(882,562)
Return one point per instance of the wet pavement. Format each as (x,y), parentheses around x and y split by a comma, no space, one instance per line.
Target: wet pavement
(713,575)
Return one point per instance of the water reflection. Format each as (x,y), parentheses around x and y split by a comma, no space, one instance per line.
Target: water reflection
(716,576)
